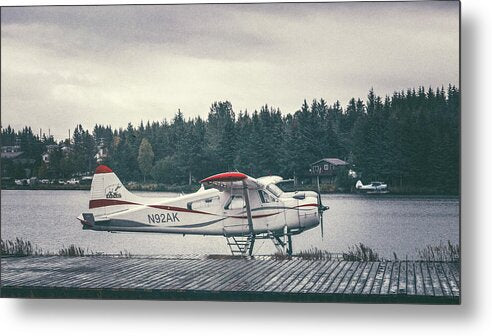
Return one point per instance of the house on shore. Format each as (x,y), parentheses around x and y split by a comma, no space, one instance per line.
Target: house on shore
(325,171)
(102,151)
(15,155)
(13,158)
(49,151)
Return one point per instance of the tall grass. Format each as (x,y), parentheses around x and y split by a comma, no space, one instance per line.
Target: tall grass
(18,248)
(441,252)
(22,248)
(314,253)
(360,252)
(125,254)
(73,251)
(281,256)
(224,256)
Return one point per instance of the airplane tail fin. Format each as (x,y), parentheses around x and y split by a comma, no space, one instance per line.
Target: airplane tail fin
(107,192)
(359,184)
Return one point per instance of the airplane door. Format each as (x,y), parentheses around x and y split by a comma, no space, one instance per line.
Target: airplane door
(272,210)
(236,222)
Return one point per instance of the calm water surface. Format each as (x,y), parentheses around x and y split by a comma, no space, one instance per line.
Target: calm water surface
(387,224)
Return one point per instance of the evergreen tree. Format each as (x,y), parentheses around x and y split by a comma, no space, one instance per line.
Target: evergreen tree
(145,157)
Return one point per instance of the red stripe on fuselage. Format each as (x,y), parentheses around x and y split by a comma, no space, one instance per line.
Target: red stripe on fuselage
(171,208)
(257,216)
(304,205)
(98,203)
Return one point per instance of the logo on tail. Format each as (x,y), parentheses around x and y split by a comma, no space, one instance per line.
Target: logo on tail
(112,191)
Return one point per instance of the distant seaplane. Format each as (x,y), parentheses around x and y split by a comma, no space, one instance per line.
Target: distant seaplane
(234,205)
(372,188)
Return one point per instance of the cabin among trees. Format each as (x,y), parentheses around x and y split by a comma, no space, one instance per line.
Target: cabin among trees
(327,175)
(326,170)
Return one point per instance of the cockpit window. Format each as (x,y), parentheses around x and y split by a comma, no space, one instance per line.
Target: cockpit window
(235,202)
(203,203)
(265,197)
(274,190)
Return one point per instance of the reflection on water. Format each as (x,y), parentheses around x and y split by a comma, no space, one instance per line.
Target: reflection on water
(387,224)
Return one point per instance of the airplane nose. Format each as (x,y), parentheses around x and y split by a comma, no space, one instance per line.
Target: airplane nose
(321,209)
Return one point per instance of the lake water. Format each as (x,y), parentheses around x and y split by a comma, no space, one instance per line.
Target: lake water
(388,224)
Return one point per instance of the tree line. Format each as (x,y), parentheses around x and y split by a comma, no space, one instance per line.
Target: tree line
(409,140)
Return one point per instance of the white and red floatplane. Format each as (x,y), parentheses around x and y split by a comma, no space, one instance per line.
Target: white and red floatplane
(234,205)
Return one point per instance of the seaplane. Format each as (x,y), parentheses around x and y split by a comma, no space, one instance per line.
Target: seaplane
(372,188)
(232,204)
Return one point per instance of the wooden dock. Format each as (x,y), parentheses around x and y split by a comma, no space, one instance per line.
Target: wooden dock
(258,279)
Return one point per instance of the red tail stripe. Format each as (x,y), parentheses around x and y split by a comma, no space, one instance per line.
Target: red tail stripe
(97,203)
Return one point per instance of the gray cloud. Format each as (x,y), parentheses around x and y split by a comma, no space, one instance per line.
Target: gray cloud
(114,64)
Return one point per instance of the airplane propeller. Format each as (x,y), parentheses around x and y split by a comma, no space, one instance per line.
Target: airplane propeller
(321,209)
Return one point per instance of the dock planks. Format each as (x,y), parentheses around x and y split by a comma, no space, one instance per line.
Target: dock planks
(252,279)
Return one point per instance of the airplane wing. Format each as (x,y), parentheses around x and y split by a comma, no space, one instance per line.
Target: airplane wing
(231,180)
(266,180)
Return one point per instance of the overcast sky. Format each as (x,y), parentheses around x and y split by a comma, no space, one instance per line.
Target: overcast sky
(118,64)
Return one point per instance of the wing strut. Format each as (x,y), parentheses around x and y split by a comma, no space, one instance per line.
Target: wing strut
(250,217)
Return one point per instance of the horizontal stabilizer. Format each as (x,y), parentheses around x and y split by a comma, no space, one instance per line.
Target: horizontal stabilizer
(89,219)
